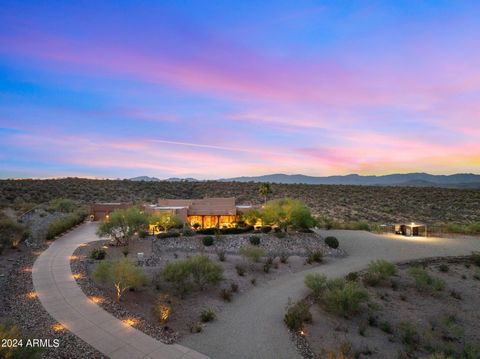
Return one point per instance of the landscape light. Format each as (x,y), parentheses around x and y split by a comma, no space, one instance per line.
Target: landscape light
(97,300)
(27,270)
(58,327)
(31,295)
(73,258)
(77,276)
(130,322)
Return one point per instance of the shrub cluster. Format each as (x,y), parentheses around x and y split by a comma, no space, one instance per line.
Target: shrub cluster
(232,230)
(379,270)
(254,240)
(337,295)
(297,314)
(424,281)
(314,255)
(192,273)
(63,224)
(98,254)
(252,253)
(170,234)
(332,242)
(207,315)
(207,241)
(11,233)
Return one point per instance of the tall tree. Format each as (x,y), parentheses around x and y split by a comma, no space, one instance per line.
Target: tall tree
(123,224)
(265,189)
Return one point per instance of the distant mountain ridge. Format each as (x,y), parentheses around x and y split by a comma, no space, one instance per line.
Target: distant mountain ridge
(464,180)
(459,180)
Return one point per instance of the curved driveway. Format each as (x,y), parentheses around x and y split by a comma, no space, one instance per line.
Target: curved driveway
(65,301)
(251,326)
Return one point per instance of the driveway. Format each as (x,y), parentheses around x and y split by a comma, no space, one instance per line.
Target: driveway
(65,301)
(252,325)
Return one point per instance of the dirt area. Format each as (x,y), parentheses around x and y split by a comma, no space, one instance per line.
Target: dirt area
(185,311)
(402,321)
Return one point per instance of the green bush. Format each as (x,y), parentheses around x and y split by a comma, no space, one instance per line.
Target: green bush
(265,229)
(98,254)
(221,254)
(423,280)
(296,315)
(11,233)
(314,255)
(121,275)
(443,268)
(254,240)
(409,335)
(207,315)
(192,273)
(226,295)
(252,253)
(240,270)
(9,330)
(316,283)
(344,297)
(63,224)
(207,241)
(382,268)
(332,242)
(62,205)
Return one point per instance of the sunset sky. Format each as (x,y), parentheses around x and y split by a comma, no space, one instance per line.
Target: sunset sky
(229,88)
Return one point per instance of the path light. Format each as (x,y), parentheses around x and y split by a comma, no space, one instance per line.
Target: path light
(130,322)
(57,327)
(74,258)
(77,276)
(27,270)
(31,295)
(97,300)
(165,311)
(302,332)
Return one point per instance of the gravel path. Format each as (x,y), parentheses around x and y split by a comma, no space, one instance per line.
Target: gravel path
(252,326)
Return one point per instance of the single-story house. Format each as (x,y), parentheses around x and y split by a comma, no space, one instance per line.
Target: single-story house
(202,213)
(411,229)
(101,211)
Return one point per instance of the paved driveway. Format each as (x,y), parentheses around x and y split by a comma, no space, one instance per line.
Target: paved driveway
(252,325)
(64,300)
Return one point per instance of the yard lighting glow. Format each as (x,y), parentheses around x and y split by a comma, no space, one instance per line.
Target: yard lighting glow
(130,322)
(31,295)
(77,276)
(74,258)
(97,300)
(302,332)
(58,327)
(164,313)
(27,270)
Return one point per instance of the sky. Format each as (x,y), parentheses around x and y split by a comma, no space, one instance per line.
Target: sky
(219,89)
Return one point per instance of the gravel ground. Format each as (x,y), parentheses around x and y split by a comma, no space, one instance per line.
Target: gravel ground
(30,316)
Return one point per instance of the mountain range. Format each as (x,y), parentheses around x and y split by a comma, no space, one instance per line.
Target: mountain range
(459,180)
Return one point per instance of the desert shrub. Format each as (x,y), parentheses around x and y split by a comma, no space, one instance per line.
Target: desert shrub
(252,253)
(62,205)
(187,232)
(280,235)
(226,295)
(332,242)
(207,315)
(162,308)
(207,241)
(443,268)
(253,281)
(265,229)
(9,330)
(316,283)
(98,254)
(344,297)
(314,255)
(381,268)
(448,328)
(63,224)
(235,230)
(240,270)
(221,254)
(123,223)
(409,335)
(424,281)
(11,233)
(121,275)
(170,234)
(352,276)
(283,257)
(254,240)
(385,327)
(192,273)
(475,258)
(296,315)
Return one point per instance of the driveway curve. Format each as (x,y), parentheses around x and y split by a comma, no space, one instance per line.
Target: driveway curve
(65,301)
(252,325)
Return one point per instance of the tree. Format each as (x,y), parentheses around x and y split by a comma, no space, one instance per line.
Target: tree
(123,224)
(286,213)
(11,233)
(164,221)
(122,275)
(265,189)
(252,216)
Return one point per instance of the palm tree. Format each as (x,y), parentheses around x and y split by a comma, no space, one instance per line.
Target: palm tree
(265,190)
